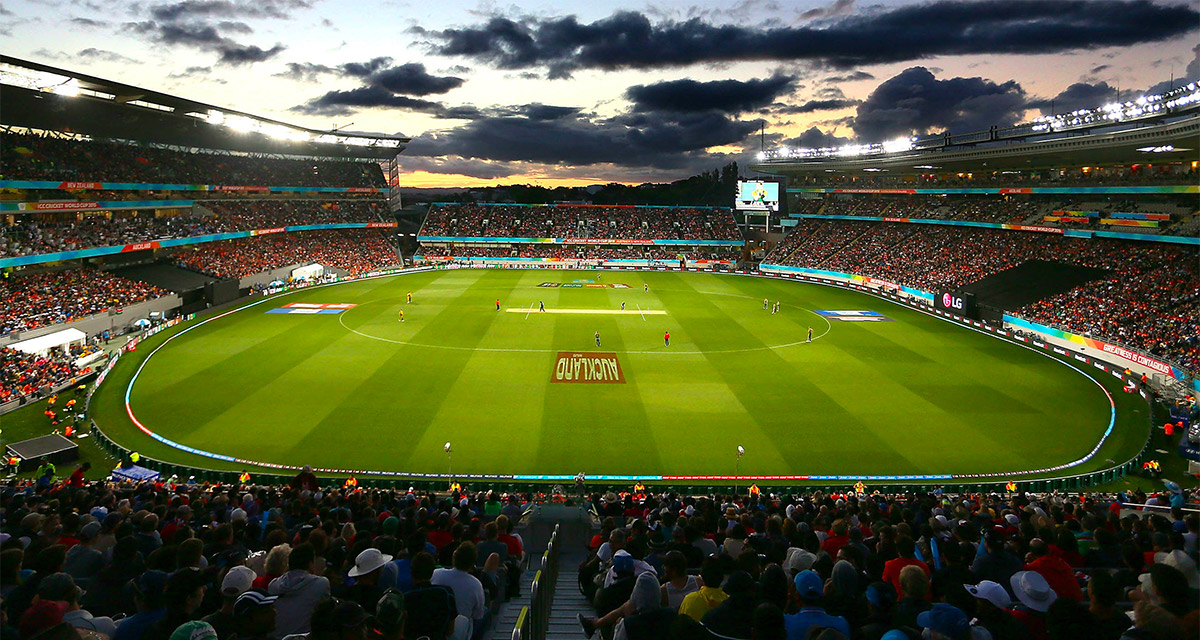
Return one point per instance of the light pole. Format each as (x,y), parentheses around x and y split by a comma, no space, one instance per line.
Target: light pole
(737,469)
(449,462)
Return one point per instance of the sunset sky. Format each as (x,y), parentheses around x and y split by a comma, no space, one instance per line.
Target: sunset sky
(580,93)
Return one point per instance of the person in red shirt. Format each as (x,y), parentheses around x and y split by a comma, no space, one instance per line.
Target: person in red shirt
(515,548)
(907,550)
(76,481)
(839,539)
(1058,574)
(667,338)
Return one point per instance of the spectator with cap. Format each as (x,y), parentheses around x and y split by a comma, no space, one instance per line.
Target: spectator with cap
(649,619)
(148,591)
(881,599)
(991,611)
(254,615)
(388,621)
(237,581)
(335,619)
(42,615)
(995,563)
(183,594)
(945,622)
(1034,597)
(366,571)
(299,591)
(810,590)
(61,587)
(194,630)
(83,560)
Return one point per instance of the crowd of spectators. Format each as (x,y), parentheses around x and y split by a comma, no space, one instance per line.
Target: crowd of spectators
(1164,174)
(1008,210)
(895,567)
(355,251)
(310,559)
(44,157)
(22,374)
(47,298)
(1147,301)
(32,234)
(571,221)
(580,252)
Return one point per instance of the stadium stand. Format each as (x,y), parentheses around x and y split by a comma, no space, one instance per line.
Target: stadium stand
(566,221)
(33,234)
(22,374)
(33,300)
(1147,301)
(45,157)
(137,561)
(355,251)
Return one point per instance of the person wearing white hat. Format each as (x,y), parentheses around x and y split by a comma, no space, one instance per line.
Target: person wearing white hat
(237,581)
(1034,597)
(992,612)
(366,590)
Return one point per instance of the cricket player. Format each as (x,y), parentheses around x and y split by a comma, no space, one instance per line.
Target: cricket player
(765,304)
(408,298)
(497,304)
(597,338)
(622,306)
(541,306)
(645,287)
(402,315)
(809,335)
(667,338)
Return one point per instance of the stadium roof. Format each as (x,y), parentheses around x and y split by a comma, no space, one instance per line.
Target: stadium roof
(39,96)
(1165,129)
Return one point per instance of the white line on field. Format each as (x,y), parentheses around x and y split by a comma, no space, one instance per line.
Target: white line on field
(526,313)
(611,312)
(640,311)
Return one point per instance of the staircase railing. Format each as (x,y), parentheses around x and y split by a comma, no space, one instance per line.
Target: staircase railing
(534,620)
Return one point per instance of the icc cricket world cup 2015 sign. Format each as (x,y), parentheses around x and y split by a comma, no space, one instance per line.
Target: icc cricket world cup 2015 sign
(587,367)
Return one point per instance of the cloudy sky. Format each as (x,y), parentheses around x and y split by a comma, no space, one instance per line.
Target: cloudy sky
(576,93)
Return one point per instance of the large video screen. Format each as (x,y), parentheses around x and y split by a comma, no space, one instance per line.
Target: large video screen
(757,195)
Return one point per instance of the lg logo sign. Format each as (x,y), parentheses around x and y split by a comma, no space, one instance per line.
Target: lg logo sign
(951,302)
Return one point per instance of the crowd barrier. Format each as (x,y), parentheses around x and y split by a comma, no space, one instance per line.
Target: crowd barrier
(534,620)
(549,485)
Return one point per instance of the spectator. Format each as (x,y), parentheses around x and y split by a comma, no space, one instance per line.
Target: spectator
(810,591)
(468,590)
(183,595)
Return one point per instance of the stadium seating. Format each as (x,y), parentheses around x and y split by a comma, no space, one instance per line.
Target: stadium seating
(137,549)
(355,251)
(47,298)
(1148,301)
(22,374)
(521,221)
(34,157)
(46,233)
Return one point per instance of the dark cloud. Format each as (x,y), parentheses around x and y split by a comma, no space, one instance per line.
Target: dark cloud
(816,105)
(728,96)
(1080,95)
(210,9)
(629,140)
(363,69)
(457,165)
(92,53)
(851,77)
(915,102)
(304,71)
(838,8)
(338,103)
(1100,67)
(814,138)
(205,38)
(944,27)
(191,71)
(89,23)
(412,79)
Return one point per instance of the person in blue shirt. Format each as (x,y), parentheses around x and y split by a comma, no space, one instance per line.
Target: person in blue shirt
(811,615)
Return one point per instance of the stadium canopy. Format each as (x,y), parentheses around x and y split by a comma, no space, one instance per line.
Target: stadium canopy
(38,96)
(42,345)
(1169,135)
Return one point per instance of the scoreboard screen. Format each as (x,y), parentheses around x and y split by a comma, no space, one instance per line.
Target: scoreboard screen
(757,195)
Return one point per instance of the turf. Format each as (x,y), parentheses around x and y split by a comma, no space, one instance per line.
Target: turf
(361,390)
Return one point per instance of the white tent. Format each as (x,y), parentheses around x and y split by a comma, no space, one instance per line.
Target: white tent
(311,271)
(43,344)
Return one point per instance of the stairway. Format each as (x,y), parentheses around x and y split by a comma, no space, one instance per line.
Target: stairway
(502,627)
(568,602)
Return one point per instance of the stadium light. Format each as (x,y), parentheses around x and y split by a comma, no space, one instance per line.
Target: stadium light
(215,118)
(241,123)
(737,469)
(70,88)
(449,461)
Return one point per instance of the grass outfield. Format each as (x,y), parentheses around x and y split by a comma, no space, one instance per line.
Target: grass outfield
(362,390)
